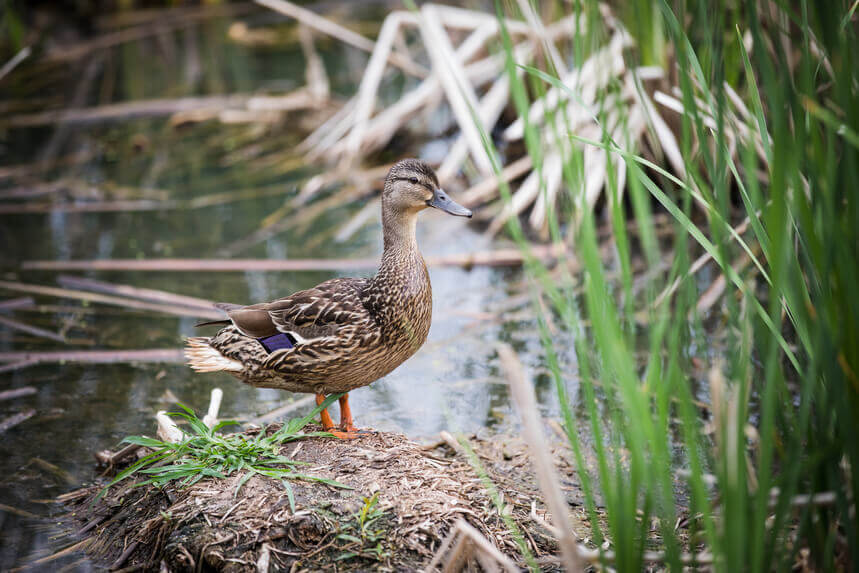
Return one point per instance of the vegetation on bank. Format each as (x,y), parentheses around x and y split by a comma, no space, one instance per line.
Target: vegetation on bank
(716,365)
(768,463)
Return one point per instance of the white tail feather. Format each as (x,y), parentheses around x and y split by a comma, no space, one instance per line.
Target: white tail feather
(203,358)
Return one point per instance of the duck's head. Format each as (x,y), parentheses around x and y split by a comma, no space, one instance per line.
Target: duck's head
(411,186)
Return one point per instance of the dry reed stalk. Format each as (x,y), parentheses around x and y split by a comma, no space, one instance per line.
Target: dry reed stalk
(26,358)
(372,78)
(491,258)
(208,106)
(697,265)
(458,90)
(111,300)
(17,393)
(282,411)
(467,541)
(15,419)
(488,188)
(13,303)
(211,417)
(22,55)
(544,467)
(358,220)
(330,28)
(147,294)
(315,76)
(166,20)
(35,331)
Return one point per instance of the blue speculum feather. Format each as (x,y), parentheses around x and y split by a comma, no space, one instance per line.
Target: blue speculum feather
(277,342)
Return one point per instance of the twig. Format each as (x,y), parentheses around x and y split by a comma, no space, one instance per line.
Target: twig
(465,539)
(124,556)
(93,356)
(16,419)
(17,393)
(112,300)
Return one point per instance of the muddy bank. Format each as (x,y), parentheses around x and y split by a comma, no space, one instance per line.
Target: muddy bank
(404,500)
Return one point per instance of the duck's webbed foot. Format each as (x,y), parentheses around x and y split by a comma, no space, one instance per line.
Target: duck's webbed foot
(347,430)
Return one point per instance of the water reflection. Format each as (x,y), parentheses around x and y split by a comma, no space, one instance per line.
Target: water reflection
(451,383)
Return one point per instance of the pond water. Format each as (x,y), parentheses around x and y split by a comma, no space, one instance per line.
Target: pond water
(452,383)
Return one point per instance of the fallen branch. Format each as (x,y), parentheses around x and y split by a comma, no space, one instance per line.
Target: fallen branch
(95,356)
(493,258)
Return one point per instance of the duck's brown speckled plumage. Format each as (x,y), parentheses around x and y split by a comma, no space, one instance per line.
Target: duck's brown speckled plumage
(351,331)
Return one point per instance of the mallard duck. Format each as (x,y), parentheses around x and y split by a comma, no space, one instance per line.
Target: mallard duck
(346,332)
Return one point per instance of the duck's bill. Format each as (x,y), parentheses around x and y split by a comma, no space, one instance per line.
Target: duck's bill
(440,200)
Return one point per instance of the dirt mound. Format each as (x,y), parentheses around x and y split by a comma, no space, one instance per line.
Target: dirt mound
(404,500)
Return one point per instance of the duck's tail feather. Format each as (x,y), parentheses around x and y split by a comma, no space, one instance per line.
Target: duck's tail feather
(203,358)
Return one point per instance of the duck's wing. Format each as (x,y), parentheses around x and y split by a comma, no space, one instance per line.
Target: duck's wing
(317,312)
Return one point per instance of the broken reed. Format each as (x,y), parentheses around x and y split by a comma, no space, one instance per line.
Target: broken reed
(783,385)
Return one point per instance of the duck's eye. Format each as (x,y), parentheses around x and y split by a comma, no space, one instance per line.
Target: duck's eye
(413,180)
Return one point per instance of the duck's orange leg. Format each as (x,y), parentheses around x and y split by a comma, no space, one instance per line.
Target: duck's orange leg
(346,422)
(328,423)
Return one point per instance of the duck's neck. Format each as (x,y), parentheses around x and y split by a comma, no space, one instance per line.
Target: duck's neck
(401,244)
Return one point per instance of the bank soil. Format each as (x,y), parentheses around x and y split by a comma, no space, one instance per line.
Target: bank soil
(404,500)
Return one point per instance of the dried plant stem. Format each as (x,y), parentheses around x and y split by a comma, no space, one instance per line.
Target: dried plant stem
(94,356)
(326,26)
(492,258)
(112,300)
(523,396)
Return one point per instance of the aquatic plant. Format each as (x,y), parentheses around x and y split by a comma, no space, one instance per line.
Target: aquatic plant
(763,201)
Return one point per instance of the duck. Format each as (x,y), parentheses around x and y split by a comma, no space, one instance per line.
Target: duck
(344,333)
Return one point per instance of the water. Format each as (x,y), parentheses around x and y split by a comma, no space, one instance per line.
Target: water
(452,383)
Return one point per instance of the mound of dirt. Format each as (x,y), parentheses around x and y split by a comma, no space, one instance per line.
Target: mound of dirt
(404,499)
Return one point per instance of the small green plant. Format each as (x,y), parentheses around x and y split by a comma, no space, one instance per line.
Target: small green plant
(363,534)
(205,453)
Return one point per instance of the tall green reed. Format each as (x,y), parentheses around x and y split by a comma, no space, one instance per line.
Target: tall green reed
(782,373)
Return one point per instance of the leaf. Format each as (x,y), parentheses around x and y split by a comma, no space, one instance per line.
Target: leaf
(347,555)
(242,481)
(144,441)
(289,495)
